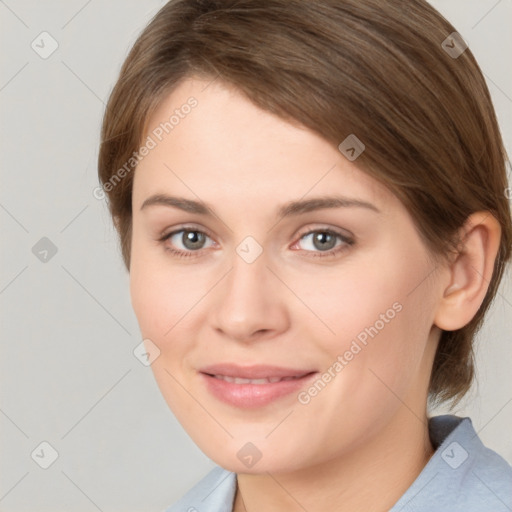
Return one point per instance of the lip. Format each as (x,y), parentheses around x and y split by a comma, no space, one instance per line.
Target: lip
(257,371)
(249,395)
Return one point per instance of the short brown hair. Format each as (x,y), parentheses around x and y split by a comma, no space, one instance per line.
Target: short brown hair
(377,69)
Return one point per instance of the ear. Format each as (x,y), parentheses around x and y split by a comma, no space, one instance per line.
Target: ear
(470,272)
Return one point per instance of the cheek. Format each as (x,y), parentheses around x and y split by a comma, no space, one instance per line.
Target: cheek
(158,302)
(352,298)
(375,357)
(169,303)
(377,317)
(162,304)
(155,296)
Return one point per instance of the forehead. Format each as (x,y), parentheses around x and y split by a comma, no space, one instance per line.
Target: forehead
(226,143)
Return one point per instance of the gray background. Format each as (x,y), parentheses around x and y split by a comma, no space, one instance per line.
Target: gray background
(68,373)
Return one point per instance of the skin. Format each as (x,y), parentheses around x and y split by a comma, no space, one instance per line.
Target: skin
(361,441)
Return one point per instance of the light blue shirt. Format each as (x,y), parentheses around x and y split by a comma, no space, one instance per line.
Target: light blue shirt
(462,475)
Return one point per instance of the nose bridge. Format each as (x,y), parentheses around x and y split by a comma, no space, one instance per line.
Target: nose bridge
(248,274)
(250,301)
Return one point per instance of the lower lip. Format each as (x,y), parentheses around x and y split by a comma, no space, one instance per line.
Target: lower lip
(253,395)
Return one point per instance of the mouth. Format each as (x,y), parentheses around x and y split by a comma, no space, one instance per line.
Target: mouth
(254,372)
(255,386)
(266,380)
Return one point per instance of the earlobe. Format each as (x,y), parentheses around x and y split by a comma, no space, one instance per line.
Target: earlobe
(470,272)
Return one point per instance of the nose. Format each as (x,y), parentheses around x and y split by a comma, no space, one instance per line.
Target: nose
(251,302)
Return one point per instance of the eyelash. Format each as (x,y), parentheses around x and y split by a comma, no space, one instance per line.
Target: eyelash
(347,242)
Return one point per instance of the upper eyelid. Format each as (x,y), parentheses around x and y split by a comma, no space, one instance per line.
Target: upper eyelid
(166,234)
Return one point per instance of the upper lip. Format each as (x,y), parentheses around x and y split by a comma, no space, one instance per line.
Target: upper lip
(254,371)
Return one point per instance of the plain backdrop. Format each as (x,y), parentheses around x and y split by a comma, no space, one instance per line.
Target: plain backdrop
(68,374)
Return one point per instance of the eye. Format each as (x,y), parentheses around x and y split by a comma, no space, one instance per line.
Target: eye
(191,239)
(323,242)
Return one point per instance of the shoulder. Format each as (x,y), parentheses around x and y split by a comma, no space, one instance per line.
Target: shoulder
(213,493)
(487,479)
(462,475)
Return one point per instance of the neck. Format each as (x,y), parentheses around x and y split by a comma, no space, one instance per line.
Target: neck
(370,478)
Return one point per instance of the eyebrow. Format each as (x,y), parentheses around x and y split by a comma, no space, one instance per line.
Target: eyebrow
(288,209)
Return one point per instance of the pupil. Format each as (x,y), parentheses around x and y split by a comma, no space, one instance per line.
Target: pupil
(321,238)
(194,239)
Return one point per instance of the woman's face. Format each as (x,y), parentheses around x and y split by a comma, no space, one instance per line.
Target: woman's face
(346,294)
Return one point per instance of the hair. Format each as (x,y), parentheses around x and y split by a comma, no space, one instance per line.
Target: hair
(373,68)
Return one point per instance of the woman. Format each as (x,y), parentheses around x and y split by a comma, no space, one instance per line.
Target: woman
(240,138)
